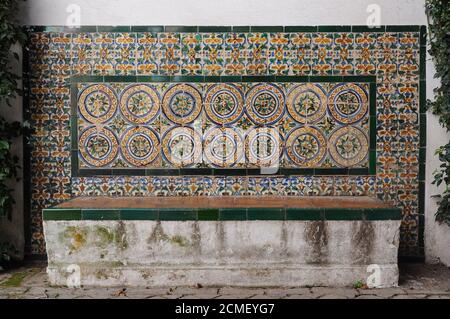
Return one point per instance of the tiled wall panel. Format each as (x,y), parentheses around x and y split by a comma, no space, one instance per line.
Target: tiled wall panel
(163,125)
(118,58)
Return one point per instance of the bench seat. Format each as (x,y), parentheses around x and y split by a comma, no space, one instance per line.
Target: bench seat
(217,241)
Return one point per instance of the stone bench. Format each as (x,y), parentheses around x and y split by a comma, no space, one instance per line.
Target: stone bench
(217,241)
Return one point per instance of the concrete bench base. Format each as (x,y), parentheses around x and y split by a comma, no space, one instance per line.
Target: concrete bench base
(270,275)
(221,253)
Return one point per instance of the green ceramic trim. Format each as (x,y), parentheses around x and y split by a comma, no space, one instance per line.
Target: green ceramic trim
(422,63)
(384,214)
(365,28)
(211,214)
(226,79)
(266,214)
(177,214)
(344,214)
(291,79)
(423,130)
(422,96)
(422,133)
(359,78)
(138,214)
(373,99)
(74,162)
(61,214)
(300,29)
(266,29)
(423,36)
(372,132)
(100,214)
(258,78)
(214,29)
(326,78)
(186,78)
(422,172)
(208,214)
(233,214)
(178,28)
(155,28)
(372,162)
(402,28)
(73,117)
(358,171)
(162,172)
(113,28)
(240,28)
(120,78)
(422,198)
(227,171)
(334,28)
(422,154)
(304,214)
(89,78)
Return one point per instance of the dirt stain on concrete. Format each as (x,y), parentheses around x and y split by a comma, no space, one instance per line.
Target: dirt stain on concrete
(316,237)
(363,237)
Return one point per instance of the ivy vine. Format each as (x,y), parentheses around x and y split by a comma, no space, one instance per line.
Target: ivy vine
(438,12)
(10,33)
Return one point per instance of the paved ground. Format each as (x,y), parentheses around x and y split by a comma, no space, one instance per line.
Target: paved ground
(417,281)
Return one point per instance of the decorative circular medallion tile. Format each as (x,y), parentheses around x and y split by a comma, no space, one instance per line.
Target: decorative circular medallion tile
(347,103)
(263,146)
(306,146)
(98,147)
(224,103)
(223,147)
(182,103)
(97,103)
(182,146)
(139,103)
(306,103)
(265,103)
(348,146)
(140,146)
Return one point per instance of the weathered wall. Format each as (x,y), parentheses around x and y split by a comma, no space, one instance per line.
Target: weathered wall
(214,253)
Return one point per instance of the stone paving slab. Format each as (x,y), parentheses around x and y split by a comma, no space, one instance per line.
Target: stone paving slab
(417,282)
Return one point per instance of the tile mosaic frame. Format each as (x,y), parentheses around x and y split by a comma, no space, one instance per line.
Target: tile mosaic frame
(400,178)
(283,171)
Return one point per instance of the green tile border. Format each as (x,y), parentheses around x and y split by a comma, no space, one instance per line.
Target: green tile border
(371,79)
(223,214)
(221,28)
(100,214)
(85,172)
(334,28)
(139,214)
(61,214)
(422,139)
(365,28)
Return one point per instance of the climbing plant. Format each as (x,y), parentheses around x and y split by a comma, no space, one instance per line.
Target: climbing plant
(10,33)
(438,12)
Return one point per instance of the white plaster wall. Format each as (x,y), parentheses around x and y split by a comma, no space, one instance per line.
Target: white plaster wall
(437,237)
(12,230)
(223,12)
(267,12)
